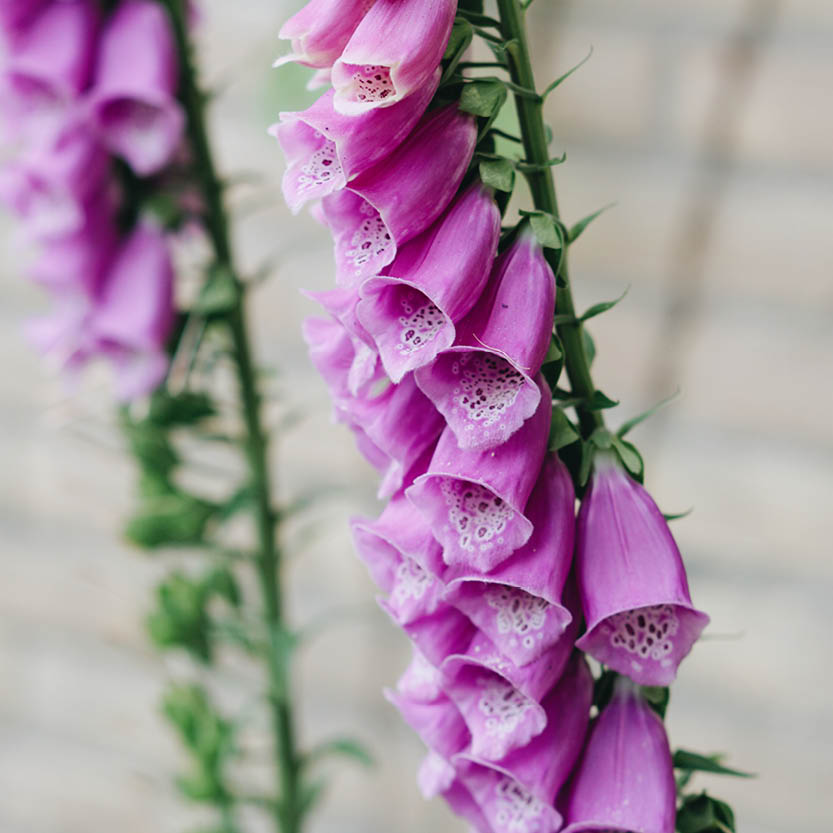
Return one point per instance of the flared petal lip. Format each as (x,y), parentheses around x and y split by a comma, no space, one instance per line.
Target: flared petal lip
(559,609)
(365,290)
(591,626)
(493,351)
(590,826)
(348,107)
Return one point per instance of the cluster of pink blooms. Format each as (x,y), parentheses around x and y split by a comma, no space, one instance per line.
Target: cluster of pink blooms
(82,88)
(432,350)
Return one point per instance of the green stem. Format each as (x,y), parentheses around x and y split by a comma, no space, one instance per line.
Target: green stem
(542,187)
(257,442)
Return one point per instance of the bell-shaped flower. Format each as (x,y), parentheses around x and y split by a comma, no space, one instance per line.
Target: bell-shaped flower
(518,792)
(435,280)
(133,102)
(127,323)
(474,500)
(439,777)
(48,67)
(518,605)
(320,31)
(324,149)
(401,196)
(78,261)
(634,592)
(625,781)
(393,52)
(500,702)
(52,188)
(485,384)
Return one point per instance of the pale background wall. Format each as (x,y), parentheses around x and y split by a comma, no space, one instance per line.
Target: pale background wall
(722,166)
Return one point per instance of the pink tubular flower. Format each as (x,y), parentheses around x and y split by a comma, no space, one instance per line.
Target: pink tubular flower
(518,792)
(133,104)
(484,385)
(47,69)
(518,605)
(625,780)
(50,187)
(474,500)
(320,31)
(394,51)
(634,592)
(324,150)
(412,309)
(401,196)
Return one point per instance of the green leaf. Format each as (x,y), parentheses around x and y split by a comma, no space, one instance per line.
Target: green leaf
(657,697)
(498,174)
(601,438)
(483,98)
(577,230)
(599,401)
(219,294)
(675,516)
(704,814)
(342,748)
(152,448)
(462,35)
(185,408)
(604,306)
(558,81)
(630,457)
(589,346)
(562,431)
(475,6)
(241,500)
(630,424)
(555,352)
(170,520)
(683,759)
(221,582)
(310,794)
(546,230)
(588,452)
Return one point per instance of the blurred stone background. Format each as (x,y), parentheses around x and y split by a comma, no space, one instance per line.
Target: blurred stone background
(711,125)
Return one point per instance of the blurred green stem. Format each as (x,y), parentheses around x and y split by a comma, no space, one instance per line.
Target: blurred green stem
(542,186)
(288,817)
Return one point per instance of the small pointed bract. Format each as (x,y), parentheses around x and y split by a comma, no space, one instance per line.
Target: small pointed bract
(133,101)
(320,31)
(392,53)
(411,310)
(518,605)
(324,150)
(484,385)
(625,781)
(401,196)
(48,67)
(518,792)
(475,500)
(634,591)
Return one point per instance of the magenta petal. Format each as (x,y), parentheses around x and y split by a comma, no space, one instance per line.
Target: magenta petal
(48,67)
(437,722)
(324,150)
(518,604)
(518,792)
(444,633)
(474,500)
(320,31)
(625,781)
(484,385)
(412,310)
(135,309)
(133,103)
(401,196)
(394,50)
(634,591)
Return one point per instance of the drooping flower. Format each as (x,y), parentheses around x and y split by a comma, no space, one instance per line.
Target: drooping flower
(485,384)
(518,792)
(519,604)
(634,591)
(325,150)
(625,781)
(411,310)
(48,67)
(320,31)
(133,103)
(475,500)
(401,196)
(394,51)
